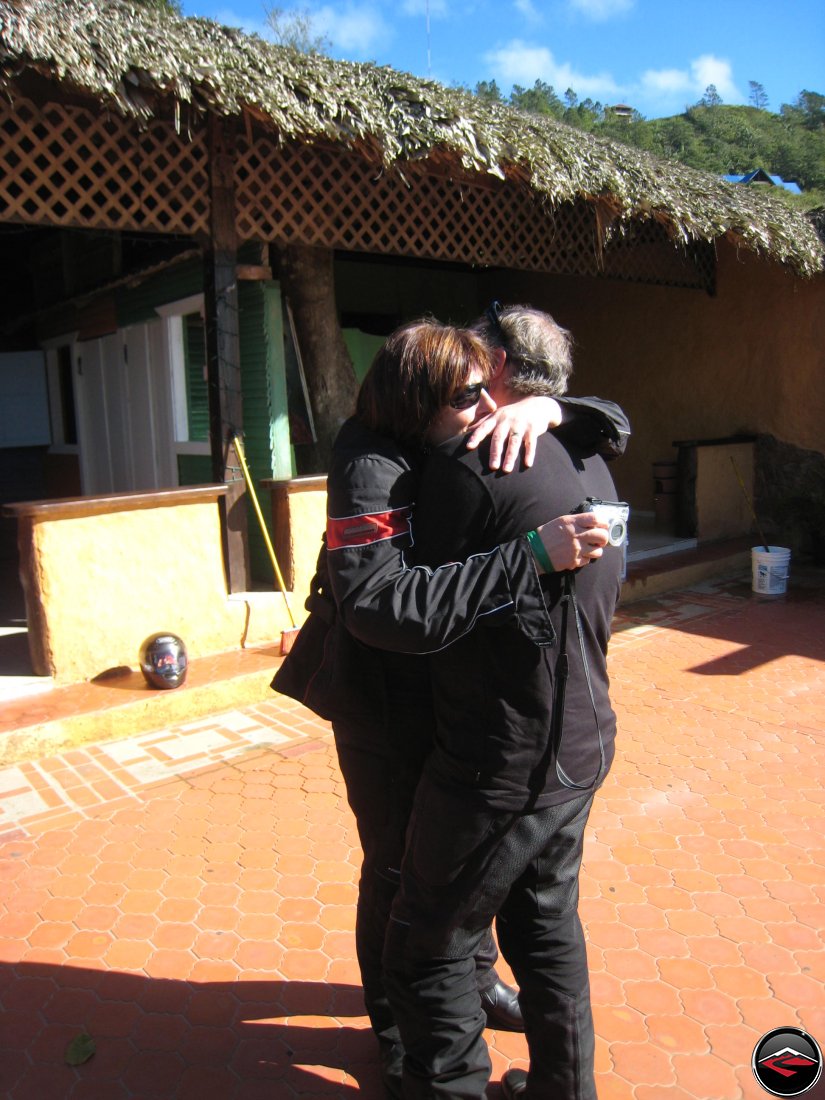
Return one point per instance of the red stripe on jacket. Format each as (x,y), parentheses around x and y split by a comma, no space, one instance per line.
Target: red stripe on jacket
(366,529)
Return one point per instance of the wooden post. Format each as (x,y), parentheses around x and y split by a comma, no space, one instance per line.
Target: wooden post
(223,356)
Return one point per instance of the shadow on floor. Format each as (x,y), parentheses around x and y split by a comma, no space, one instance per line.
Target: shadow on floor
(766,628)
(164,1037)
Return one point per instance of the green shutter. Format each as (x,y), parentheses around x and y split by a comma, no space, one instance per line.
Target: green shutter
(197,397)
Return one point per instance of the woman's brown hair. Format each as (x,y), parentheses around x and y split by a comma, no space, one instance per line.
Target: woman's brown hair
(418,370)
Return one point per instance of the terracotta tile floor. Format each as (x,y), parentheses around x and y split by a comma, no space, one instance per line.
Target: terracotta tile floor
(186,897)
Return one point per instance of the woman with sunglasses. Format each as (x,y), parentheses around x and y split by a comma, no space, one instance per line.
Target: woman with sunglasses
(370,679)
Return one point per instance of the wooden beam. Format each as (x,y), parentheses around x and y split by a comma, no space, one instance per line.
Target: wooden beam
(223,354)
(254,272)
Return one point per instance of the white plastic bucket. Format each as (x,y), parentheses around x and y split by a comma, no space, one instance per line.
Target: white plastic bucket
(770,569)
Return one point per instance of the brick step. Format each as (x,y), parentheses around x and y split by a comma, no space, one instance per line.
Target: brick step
(653,576)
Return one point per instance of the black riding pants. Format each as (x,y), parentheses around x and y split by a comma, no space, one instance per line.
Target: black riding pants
(381,779)
(465,863)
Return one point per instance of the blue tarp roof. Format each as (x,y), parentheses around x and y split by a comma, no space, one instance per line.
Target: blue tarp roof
(759,175)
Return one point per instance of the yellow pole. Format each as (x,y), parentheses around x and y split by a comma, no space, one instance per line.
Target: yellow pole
(236,439)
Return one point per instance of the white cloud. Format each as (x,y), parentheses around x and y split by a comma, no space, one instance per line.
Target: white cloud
(601,10)
(666,81)
(527,9)
(678,85)
(358,29)
(708,69)
(518,63)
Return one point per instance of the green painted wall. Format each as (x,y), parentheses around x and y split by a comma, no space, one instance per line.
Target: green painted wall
(362,347)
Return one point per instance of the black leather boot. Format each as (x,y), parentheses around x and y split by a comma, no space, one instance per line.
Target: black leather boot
(514,1084)
(501,1007)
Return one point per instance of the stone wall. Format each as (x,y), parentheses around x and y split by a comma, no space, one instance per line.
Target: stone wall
(790,496)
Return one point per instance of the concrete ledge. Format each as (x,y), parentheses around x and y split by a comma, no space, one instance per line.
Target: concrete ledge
(106,504)
(113,707)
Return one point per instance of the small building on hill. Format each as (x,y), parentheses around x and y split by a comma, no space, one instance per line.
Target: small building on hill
(760,176)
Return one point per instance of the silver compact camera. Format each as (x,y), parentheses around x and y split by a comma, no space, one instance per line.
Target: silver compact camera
(615,513)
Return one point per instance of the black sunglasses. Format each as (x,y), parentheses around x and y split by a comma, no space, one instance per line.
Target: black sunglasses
(493,314)
(469,396)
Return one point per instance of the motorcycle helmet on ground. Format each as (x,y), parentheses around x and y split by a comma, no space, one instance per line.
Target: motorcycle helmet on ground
(163,661)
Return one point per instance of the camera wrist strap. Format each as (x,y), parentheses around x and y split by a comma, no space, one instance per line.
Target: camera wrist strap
(568,598)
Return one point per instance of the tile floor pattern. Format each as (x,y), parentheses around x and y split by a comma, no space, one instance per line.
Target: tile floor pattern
(186,897)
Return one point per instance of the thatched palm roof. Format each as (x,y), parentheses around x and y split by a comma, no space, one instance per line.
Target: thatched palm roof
(134,57)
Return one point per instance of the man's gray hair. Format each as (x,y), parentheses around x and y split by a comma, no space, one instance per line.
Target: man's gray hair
(539,352)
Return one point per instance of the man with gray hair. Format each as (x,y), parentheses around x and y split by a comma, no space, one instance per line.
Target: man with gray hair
(542,352)
(539,350)
(525,735)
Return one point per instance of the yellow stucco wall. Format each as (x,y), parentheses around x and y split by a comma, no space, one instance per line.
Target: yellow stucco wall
(308,518)
(722,509)
(299,516)
(685,365)
(97,585)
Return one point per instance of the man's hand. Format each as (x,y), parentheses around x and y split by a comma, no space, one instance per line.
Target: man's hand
(515,428)
(573,541)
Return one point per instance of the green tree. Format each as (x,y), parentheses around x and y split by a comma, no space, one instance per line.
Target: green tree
(676,138)
(541,99)
(586,115)
(632,129)
(489,91)
(811,105)
(758,96)
(711,98)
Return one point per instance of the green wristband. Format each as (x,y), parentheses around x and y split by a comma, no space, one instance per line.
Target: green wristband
(539,552)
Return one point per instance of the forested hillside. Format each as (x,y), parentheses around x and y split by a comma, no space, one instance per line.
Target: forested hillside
(708,135)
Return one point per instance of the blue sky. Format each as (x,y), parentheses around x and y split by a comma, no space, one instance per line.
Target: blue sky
(657,55)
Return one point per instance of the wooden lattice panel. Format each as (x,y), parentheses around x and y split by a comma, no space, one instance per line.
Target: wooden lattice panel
(326,198)
(66,165)
(647,255)
(298,193)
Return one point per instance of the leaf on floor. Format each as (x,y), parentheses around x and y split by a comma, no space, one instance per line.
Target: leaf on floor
(79,1050)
